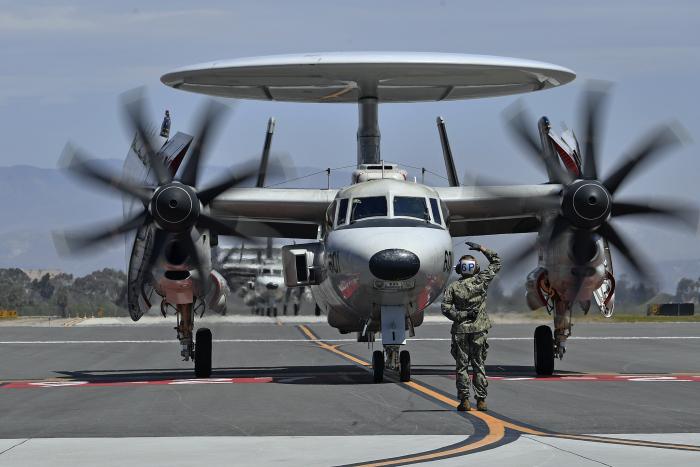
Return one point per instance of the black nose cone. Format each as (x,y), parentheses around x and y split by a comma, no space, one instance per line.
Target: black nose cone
(394,264)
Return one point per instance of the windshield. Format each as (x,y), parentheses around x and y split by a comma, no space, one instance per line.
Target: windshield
(371,206)
(342,211)
(410,206)
(436,210)
(266,271)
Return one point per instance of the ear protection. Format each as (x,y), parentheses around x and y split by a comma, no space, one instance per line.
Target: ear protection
(467,266)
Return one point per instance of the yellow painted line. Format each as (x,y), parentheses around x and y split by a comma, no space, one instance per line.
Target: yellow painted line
(495,425)
(331,348)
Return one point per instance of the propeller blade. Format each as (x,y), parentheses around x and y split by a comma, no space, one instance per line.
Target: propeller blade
(660,140)
(594,101)
(583,246)
(69,243)
(190,245)
(262,171)
(160,238)
(207,195)
(687,215)
(517,122)
(92,171)
(609,232)
(515,258)
(133,104)
(208,121)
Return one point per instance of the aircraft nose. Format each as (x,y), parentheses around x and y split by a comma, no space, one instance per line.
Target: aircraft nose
(394,264)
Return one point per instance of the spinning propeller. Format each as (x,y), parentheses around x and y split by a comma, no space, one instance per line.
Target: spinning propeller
(588,202)
(174,204)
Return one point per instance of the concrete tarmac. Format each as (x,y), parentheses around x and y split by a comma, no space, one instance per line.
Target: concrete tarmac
(301,394)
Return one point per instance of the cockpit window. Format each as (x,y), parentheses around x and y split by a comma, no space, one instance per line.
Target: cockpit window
(342,211)
(277,272)
(266,271)
(410,206)
(371,206)
(435,207)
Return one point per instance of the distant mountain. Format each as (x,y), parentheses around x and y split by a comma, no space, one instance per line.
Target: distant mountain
(36,201)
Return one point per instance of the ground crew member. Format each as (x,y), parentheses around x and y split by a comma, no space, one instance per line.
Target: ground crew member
(464,303)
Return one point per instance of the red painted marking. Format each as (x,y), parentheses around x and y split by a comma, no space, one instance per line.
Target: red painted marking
(640,378)
(76,383)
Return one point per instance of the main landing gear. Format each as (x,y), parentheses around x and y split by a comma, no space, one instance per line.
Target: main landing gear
(397,361)
(198,350)
(549,345)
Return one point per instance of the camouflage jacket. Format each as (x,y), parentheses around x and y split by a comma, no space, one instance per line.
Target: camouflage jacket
(469,295)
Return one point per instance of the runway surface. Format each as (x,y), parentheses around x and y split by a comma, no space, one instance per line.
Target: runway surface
(301,394)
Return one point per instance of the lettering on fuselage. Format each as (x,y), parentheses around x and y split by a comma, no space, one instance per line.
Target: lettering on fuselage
(447,265)
(334,262)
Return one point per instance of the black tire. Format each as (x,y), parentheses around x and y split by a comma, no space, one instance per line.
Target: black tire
(405,366)
(544,351)
(202,353)
(378,366)
(296,309)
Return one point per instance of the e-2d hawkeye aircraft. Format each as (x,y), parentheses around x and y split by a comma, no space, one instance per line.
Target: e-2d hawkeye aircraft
(381,249)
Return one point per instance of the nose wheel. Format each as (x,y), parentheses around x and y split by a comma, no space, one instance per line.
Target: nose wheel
(399,362)
(378,366)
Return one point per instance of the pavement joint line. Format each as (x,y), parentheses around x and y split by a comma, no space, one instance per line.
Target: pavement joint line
(499,423)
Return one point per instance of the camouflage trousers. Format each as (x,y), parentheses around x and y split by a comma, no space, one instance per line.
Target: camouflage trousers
(471,349)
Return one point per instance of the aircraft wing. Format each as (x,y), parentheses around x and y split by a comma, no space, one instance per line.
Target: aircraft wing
(274,212)
(498,210)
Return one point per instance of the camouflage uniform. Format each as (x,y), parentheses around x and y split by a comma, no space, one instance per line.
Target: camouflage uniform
(464,303)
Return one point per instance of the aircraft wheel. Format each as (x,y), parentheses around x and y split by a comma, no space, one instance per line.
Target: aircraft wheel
(405,366)
(296,309)
(202,353)
(544,351)
(378,365)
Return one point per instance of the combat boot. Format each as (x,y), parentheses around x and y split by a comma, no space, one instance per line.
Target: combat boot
(464,406)
(481,405)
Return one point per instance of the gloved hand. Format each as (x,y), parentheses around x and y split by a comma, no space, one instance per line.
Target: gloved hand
(473,246)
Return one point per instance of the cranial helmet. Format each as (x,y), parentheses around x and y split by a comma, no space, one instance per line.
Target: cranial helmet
(467,266)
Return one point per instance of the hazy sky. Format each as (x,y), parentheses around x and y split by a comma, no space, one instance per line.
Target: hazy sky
(64,65)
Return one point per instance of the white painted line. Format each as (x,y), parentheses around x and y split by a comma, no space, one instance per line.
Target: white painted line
(302,340)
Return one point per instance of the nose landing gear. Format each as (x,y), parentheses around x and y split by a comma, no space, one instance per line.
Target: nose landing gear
(396,361)
(550,345)
(393,326)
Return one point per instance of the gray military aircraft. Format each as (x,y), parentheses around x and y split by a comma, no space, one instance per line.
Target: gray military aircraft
(380,250)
